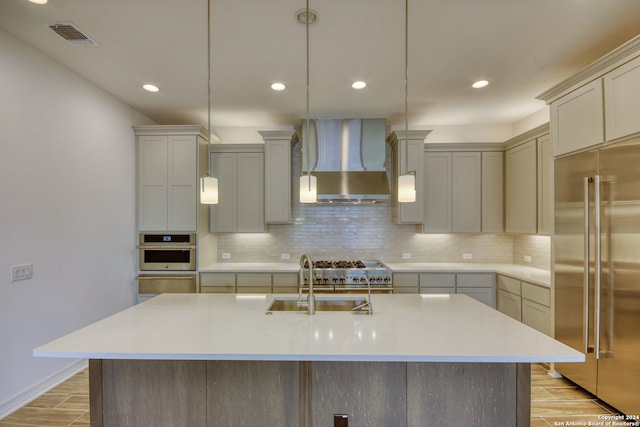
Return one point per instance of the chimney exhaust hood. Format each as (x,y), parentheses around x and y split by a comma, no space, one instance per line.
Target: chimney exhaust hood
(348,158)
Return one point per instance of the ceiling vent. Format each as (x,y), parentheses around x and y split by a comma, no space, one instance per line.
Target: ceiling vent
(73,36)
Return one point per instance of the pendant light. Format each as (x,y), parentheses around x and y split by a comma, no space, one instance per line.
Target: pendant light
(407,181)
(308,182)
(208,183)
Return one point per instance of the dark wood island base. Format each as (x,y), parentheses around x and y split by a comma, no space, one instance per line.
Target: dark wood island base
(215,393)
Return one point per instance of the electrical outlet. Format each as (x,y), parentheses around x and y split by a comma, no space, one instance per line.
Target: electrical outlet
(340,420)
(226,255)
(467,255)
(406,255)
(285,256)
(21,272)
(527,258)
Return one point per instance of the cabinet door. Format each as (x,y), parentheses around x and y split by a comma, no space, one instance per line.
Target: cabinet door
(437,186)
(492,192)
(577,119)
(153,170)
(217,282)
(183,179)
(545,186)
(520,189)
(410,158)
(510,304)
(250,193)
(285,283)
(466,192)
(253,282)
(277,182)
(406,283)
(621,94)
(537,316)
(484,295)
(480,286)
(223,215)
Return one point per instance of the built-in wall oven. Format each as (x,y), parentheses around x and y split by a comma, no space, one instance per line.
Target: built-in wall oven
(168,263)
(167,252)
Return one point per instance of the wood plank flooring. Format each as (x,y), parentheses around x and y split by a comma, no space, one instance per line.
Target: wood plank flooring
(553,401)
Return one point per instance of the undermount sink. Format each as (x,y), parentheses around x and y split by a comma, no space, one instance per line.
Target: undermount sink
(322,304)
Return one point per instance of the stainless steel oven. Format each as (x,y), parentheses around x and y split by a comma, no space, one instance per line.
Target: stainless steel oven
(167,252)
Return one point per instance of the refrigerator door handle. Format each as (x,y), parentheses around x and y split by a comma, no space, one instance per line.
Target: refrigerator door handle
(597,263)
(585,325)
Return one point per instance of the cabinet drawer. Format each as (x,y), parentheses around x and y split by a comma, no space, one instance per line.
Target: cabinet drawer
(509,284)
(253,279)
(429,280)
(480,280)
(535,293)
(406,280)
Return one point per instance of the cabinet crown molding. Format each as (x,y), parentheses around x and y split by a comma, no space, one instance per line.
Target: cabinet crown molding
(527,136)
(175,130)
(596,69)
(397,135)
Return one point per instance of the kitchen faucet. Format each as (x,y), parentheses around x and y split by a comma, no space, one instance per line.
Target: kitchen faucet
(367,304)
(311,302)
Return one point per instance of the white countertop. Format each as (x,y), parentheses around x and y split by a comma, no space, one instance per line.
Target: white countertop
(522,272)
(409,328)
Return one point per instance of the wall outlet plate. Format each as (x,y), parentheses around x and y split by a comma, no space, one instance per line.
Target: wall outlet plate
(527,258)
(226,255)
(21,272)
(467,255)
(285,256)
(406,255)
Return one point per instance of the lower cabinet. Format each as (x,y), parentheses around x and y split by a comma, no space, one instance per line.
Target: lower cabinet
(479,286)
(526,302)
(248,282)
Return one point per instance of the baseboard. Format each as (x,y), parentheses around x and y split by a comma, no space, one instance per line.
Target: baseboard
(37,390)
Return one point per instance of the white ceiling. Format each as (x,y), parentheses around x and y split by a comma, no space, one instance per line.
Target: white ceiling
(522,46)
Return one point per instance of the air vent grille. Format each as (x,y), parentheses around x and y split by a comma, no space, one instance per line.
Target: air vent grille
(72,34)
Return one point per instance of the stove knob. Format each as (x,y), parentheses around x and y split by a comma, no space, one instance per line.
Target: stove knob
(342,280)
(334,280)
(387,279)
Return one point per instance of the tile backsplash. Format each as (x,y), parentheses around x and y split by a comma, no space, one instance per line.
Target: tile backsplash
(367,232)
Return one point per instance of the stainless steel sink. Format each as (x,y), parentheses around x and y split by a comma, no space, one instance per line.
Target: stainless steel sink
(322,304)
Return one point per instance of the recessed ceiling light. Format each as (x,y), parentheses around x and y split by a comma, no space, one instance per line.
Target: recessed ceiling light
(479,84)
(150,88)
(278,86)
(359,85)
(39,1)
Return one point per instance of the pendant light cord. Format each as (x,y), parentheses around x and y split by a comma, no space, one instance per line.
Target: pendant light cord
(209,84)
(406,82)
(306,155)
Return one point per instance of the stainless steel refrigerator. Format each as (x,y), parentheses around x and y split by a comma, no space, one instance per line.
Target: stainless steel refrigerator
(597,271)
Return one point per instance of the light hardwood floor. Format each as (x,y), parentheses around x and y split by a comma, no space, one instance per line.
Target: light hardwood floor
(552,401)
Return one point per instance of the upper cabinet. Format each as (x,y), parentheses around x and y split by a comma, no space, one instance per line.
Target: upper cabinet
(599,104)
(622,92)
(463,190)
(408,149)
(170,159)
(240,172)
(277,176)
(577,120)
(529,183)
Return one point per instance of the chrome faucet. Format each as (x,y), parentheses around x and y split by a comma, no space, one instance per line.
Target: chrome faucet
(365,306)
(311,302)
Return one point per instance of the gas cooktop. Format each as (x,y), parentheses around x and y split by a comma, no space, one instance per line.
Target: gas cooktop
(350,274)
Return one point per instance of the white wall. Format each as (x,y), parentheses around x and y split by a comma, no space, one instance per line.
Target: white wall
(67,188)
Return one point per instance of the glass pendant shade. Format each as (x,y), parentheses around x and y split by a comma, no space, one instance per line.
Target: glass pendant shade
(407,188)
(209,190)
(308,189)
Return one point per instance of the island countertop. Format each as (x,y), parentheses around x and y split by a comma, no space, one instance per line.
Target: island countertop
(403,328)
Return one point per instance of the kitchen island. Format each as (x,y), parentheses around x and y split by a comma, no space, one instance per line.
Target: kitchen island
(221,360)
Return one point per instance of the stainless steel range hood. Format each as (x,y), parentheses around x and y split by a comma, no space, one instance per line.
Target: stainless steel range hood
(348,158)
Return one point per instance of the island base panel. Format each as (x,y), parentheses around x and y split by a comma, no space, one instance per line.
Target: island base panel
(305,394)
